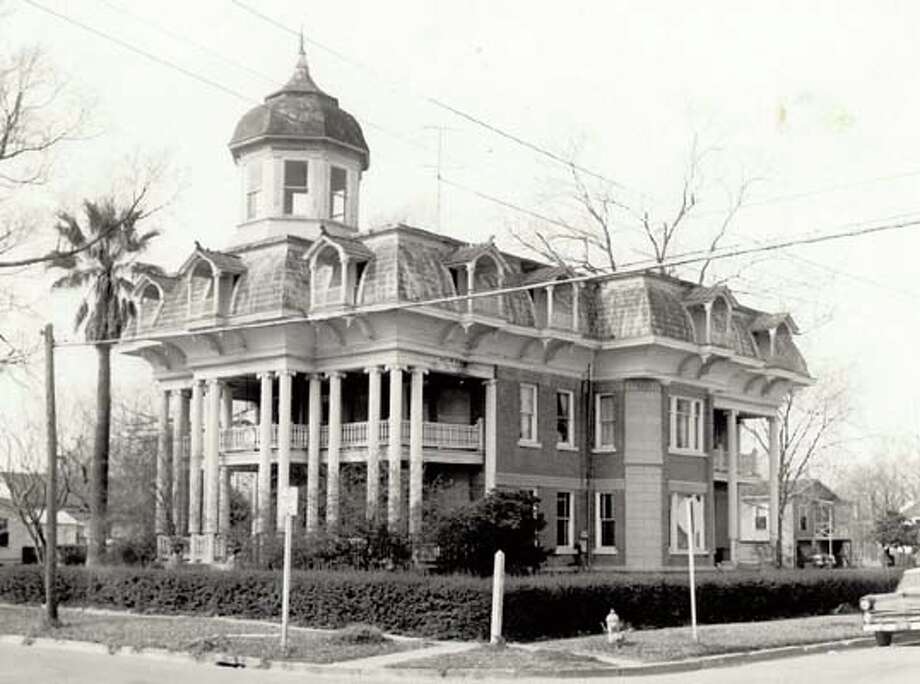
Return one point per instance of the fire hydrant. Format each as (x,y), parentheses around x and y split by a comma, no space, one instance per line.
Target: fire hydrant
(613,627)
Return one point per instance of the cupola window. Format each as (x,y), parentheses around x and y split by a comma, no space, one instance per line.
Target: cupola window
(253,188)
(295,188)
(338,193)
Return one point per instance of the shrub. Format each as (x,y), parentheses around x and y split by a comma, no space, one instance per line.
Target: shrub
(137,550)
(359,634)
(365,548)
(469,536)
(453,607)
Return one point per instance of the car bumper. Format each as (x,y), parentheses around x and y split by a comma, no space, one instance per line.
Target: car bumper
(905,626)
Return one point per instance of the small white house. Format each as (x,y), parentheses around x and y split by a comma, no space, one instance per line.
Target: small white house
(17,545)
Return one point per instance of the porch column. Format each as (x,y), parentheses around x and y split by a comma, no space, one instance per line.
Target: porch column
(334,451)
(491,434)
(264,477)
(394,450)
(163,488)
(180,474)
(284,439)
(313,428)
(373,442)
(212,458)
(416,452)
(195,458)
(774,485)
(223,517)
(470,282)
(733,485)
(576,306)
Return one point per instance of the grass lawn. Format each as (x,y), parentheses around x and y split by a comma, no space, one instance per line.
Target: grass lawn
(507,658)
(203,635)
(676,643)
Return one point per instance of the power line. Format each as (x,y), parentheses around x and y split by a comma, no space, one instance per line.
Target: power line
(456,111)
(627,270)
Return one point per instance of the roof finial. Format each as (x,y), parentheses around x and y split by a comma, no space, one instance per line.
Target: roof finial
(301,52)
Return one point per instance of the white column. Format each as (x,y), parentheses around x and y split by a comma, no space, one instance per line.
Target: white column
(491,434)
(373,442)
(163,489)
(334,451)
(774,484)
(212,457)
(733,485)
(470,282)
(416,452)
(195,458)
(314,417)
(394,450)
(226,407)
(708,307)
(264,478)
(180,463)
(284,439)
(223,514)
(549,306)
(576,306)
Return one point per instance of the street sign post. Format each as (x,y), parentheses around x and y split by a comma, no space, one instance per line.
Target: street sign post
(289,509)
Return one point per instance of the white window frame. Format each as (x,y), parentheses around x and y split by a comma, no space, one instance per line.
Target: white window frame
(599,444)
(343,217)
(570,444)
(695,438)
(5,532)
(600,548)
(570,527)
(254,182)
(758,510)
(678,513)
(532,440)
(299,189)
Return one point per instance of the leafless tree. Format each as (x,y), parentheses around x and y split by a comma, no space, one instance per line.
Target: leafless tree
(593,238)
(810,432)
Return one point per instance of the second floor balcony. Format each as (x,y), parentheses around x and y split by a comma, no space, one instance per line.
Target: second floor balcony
(747,465)
(447,436)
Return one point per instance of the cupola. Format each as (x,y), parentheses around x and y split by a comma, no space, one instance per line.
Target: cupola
(300,158)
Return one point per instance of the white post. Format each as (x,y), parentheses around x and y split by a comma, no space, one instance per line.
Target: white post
(333,453)
(264,488)
(195,458)
(416,454)
(163,487)
(733,506)
(394,486)
(774,490)
(284,434)
(287,505)
(498,598)
(314,416)
(180,464)
(373,442)
(692,565)
(212,459)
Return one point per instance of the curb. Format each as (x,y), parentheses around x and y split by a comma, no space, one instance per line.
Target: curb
(396,672)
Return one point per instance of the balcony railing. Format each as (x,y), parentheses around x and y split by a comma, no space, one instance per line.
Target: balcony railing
(354,435)
(747,463)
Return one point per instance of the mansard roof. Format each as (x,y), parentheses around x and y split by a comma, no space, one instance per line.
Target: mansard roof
(406,264)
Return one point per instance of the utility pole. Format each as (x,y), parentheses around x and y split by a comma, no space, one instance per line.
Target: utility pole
(51,606)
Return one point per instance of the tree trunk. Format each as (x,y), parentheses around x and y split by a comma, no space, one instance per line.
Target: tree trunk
(99,473)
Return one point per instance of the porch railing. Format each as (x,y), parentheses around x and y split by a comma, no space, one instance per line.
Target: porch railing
(747,463)
(354,435)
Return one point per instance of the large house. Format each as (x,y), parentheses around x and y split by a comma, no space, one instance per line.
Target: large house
(306,352)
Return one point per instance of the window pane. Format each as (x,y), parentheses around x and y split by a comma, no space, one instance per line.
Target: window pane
(607,433)
(295,174)
(563,417)
(254,175)
(563,516)
(338,192)
(526,398)
(526,425)
(606,407)
(608,533)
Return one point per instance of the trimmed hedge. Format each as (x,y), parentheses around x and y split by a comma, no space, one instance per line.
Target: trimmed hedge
(454,606)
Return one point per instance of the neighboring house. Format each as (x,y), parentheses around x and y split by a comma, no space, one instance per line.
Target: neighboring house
(816,520)
(618,402)
(17,545)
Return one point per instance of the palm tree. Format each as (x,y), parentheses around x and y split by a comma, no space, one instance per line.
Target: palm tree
(104,267)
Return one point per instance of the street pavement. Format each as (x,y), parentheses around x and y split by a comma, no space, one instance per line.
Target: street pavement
(53,665)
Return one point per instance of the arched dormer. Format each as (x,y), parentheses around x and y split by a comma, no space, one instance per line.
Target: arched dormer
(484,269)
(210,278)
(149,297)
(772,334)
(554,305)
(336,266)
(711,309)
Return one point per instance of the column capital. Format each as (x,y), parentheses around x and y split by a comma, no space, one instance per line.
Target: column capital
(390,367)
(317,377)
(490,382)
(419,370)
(285,371)
(373,369)
(261,375)
(213,382)
(337,375)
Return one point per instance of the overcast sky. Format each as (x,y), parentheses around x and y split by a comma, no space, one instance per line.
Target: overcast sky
(819,101)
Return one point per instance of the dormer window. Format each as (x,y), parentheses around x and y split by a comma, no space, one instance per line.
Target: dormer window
(338,193)
(253,188)
(295,188)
